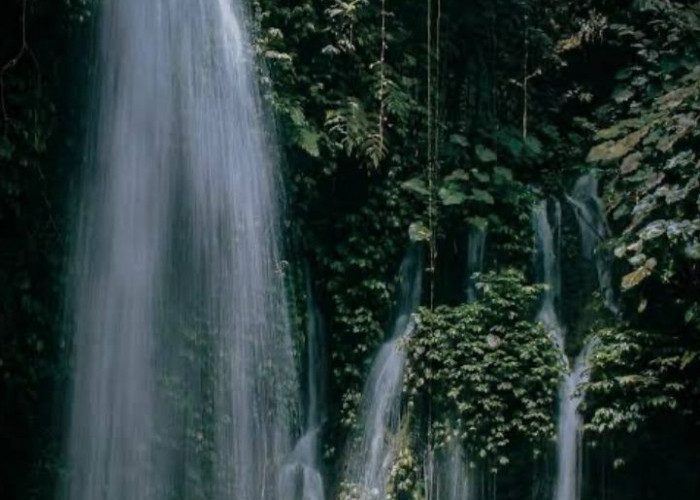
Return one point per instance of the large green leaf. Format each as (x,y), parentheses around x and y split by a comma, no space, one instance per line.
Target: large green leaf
(484,154)
(458,175)
(307,140)
(452,195)
(418,232)
(417,186)
(482,196)
(614,150)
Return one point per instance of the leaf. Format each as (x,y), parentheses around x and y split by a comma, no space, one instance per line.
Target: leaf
(512,143)
(481,176)
(688,357)
(692,250)
(502,174)
(680,160)
(482,196)
(620,251)
(418,232)
(307,140)
(484,154)
(451,195)
(642,305)
(478,222)
(653,230)
(416,185)
(330,50)
(533,144)
(458,175)
(619,129)
(277,56)
(682,125)
(614,150)
(630,163)
(459,140)
(636,277)
(622,94)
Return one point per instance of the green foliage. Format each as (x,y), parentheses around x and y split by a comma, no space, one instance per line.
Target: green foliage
(637,376)
(646,141)
(650,146)
(487,369)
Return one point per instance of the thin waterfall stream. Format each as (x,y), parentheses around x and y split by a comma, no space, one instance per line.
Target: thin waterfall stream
(372,451)
(476,248)
(184,379)
(301,477)
(593,229)
(448,472)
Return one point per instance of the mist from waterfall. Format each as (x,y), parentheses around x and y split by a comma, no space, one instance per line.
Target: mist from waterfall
(184,381)
(372,450)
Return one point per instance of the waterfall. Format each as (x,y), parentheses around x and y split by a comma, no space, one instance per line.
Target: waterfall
(593,226)
(548,267)
(315,369)
(457,483)
(453,478)
(372,451)
(476,248)
(301,479)
(447,474)
(593,229)
(570,430)
(548,270)
(184,383)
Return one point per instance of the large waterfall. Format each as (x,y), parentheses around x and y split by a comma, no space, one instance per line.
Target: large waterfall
(372,450)
(184,380)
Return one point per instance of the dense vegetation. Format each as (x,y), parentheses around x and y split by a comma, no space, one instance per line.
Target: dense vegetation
(417,121)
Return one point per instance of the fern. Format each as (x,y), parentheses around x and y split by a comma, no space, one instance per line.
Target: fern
(355,131)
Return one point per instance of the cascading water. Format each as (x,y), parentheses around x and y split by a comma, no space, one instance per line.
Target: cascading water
(457,483)
(372,451)
(593,228)
(448,476)
(548,268)
(476,247)
(590,215)
(184,380)
(570,430)
(300,476)
(549,272)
